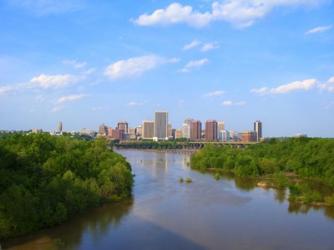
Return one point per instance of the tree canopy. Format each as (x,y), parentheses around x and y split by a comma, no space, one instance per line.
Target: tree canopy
(44,180)
(306,158)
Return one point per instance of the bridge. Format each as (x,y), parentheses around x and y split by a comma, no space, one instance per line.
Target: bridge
(192,145)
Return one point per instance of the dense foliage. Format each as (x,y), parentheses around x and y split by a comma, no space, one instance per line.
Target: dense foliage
(44,180)
(307,158)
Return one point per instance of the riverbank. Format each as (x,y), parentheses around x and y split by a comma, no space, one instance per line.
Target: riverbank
(304,166)
(46,180)
(206,214)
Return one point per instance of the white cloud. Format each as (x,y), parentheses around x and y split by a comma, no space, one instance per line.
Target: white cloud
(173,14)
(6,89)
(191,45)
(61,101)
(70,98)
(229,103)
(135,104)
(194,64)
(242,13)
(319,29)
(215,93)
(75,64)
(135,66)
(328,86)
(52,81)
(209,46)
(303,85)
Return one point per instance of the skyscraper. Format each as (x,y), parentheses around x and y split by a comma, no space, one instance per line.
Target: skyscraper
(103,130)
(211,130)
(221,125)
(186,128)
(59,127)
(123,126)
(195,130)
(258,130)
(161,125)
(147,130)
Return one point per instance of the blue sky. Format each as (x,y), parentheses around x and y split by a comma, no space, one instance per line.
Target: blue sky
(92,62)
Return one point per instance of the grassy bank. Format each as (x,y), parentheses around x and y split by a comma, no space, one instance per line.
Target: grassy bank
(303,165)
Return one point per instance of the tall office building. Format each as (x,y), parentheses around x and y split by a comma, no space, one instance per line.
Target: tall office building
(195,130)
(211,130)
(103,130)
(178,134)
(169,130)
(59,127)
(161,125)
(221,125)
(186,128)
(132,134)
(139,131)
(110,131)
(258,130)
(147,130)
(123,126)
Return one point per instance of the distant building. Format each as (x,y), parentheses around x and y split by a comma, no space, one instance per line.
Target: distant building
(248,136)
(118,134)
(59,129)
(258,130)
(178,134)
(110,129)
(139,131)
(103,130)
(123,125)
(169,131)
(211,130)
(132,134)
(161,125)
(186,128)
(173,133)
(36,130)
(221,125)
(195,130)
(89,132)
(224,135)
(148,130)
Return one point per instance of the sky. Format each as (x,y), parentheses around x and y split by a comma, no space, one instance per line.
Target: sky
(91,62)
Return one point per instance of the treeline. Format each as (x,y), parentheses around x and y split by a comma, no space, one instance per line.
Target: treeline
(304,165)
(44,180)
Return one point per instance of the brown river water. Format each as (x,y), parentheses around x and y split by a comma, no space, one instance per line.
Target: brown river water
(205,214)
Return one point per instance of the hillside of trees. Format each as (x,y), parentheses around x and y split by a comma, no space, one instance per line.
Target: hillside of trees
(44,180)
(303,165)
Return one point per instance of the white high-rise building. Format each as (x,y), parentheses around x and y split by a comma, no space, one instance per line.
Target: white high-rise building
(224,135)
(221,125)
(258,130)
(161,125)
(186,128)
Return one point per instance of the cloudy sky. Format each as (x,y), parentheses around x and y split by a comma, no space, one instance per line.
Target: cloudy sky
(91,62)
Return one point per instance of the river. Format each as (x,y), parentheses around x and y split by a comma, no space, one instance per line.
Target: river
(205,214)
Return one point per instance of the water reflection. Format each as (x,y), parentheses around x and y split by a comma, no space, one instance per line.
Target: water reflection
(281,196)
(96,223)
(231,213)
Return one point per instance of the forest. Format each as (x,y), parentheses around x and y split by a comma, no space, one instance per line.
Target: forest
(303,165)
(44,180)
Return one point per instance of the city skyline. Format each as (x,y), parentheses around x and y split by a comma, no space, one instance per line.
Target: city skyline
(87,63)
